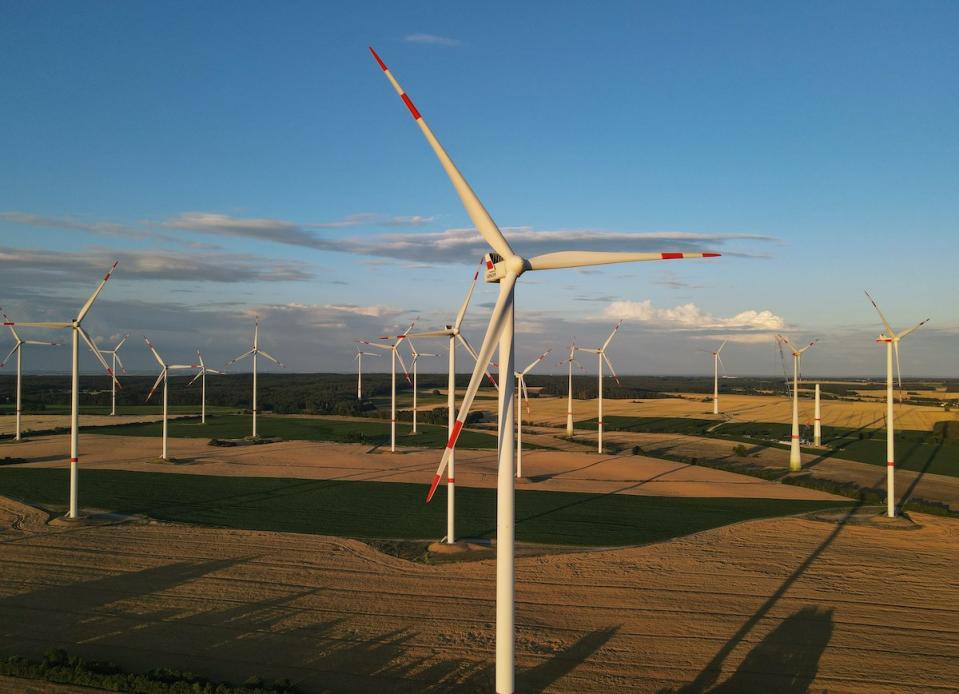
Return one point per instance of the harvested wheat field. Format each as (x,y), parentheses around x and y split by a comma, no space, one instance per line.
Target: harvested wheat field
(545,470)
(773,605)
(48,422)
(744,408)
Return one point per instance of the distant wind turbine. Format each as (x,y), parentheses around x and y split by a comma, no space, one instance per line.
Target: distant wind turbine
(116,360)
(164,370)
(394,355)
(201,374)
(601,357)
(415,358)
(254,352)
(18,349)
(524,394)
(795,460)
(359,370)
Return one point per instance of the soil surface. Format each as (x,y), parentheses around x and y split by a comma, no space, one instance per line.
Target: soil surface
(779,605)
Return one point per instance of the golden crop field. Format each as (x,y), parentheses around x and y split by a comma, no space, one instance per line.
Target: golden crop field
(743,408)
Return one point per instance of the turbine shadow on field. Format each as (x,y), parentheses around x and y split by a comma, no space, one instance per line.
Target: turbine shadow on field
(544,675)
(919,475)
(593,498)
(787,660)
(551,475)
(710,673)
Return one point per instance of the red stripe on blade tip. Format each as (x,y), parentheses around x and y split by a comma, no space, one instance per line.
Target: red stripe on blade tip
(457,428)
(429,495)
(711,255)
(671,256)
(378,59)
(410,106)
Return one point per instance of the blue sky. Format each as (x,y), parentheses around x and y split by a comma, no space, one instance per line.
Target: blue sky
(245,158)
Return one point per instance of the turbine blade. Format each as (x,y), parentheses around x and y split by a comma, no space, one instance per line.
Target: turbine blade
(154,351)
(808,346)
(913,328)
(120,362)
(892,333)
(120,343)
(96,353)
(466,302)
(895,348)
(433,333)
(568,259)
(193,380)
(200,357)
(611,370)
(611,336)
(474,208)
(96,293)
(469,348)
(365,342)
(153,389)
(496,323)
(536,361)
(721,347)
(12,352)
(236,359)
(39,342)
(403,365)
(524,393)
(40,325)
(272,359)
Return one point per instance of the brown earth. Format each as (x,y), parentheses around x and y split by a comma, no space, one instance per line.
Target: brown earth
(547,470)
(789,605)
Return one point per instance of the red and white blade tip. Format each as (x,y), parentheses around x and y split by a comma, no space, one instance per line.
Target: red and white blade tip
(114,267)
(436,479)
(379,60)
(680,256)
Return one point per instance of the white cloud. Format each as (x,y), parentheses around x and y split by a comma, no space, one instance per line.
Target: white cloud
(432,40)
(691,317)
(377,311)
(740,338)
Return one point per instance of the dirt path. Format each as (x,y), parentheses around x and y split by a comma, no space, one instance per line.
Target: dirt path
(545,470)
(772,605)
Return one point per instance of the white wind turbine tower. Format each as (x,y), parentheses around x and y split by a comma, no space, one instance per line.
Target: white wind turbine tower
(394,355)
(601,357)
(18,348)
(795,461)
(524,394)
(415,358)
(359,370)
(569,361)
(717,360)
(503,267)
(453,333)
(75,325)
(201,374)
(254,352)
(164,369)
(116,360)
(891,338)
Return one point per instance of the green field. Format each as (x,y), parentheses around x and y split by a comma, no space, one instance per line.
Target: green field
(391,510)
(372,431)
(920,451)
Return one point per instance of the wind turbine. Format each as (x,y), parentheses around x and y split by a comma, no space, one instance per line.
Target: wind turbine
(416,356)
(116,360)
(524,394)
(453,333)
(569,361)
(359,370)
(817,421)
(891,338)
(254,352)
(795,461)
(18,348)
(164,369)
(600,353)
(504,267)
(394,355)
(75,325)
(717,361)
(201,374)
